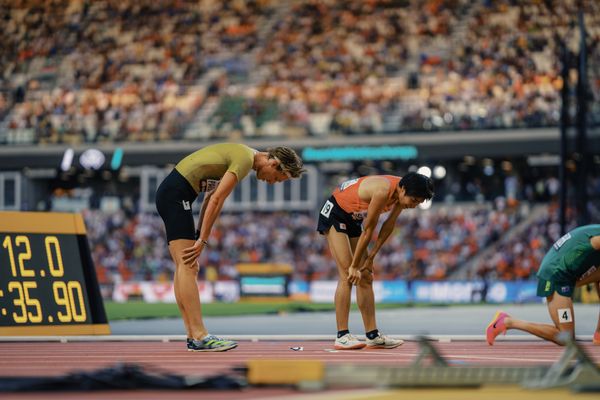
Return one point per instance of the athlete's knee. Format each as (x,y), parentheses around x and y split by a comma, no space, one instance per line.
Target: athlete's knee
(366,277)
(344,283)
(189,269)
(343,277)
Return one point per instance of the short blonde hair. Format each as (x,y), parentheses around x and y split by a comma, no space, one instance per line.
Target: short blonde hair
(289,161)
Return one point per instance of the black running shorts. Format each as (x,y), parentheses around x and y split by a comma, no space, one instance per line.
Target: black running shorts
(174,199)
(333,215)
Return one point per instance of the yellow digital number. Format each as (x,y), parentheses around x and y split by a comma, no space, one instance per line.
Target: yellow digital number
(70,296)
(61,297)
(75,291)
(56,271)
(19,240)
(19,302)
(7,244)
(37,317)
(23,301)
(27,273)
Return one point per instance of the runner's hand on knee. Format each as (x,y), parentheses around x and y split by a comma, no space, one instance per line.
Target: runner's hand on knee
(354,275)
(191,254)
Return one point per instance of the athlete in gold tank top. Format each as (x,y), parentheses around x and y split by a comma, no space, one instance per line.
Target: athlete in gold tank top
(214,170)
(204,168)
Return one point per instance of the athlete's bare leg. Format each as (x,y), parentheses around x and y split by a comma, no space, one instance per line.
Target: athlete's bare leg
(565,322)
(365,297)
(186,290)
(180,304)
(340,249)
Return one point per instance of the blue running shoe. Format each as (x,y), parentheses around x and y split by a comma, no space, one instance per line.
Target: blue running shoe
(210,343)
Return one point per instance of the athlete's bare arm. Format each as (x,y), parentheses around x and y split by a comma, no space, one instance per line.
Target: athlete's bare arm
(384,233)
(212,210)
(203,209)
(376,192)
(591,278)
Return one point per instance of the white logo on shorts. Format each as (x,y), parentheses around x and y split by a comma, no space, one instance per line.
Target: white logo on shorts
(326,210)
(186,205)
(342,226)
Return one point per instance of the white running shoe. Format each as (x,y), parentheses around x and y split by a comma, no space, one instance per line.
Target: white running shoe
(348,342)
(383,342)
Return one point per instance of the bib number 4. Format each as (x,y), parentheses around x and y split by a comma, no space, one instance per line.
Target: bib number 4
(564,315)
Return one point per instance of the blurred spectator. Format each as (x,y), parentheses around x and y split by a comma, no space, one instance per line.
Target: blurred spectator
(439,241)
(519,257)
(116,70)
(360,67)
(78,71)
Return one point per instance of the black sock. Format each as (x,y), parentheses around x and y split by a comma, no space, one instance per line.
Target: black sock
(342,333)
(373,334)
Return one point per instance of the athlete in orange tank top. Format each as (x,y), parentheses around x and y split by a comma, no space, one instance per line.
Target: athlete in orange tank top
(365,199)
(349,200)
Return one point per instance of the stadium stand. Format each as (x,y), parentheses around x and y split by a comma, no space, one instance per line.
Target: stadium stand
(171,70)
(431,244)
(427,244)
(74,80)
(379,66)
(78,72)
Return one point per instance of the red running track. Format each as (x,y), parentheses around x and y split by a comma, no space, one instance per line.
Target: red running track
(55,359)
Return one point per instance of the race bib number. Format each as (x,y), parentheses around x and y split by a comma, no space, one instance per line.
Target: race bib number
(207,185)
(564,315)
(326,210)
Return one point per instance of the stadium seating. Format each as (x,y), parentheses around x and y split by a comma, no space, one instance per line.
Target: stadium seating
(290,69)
(428,244)
(114,70)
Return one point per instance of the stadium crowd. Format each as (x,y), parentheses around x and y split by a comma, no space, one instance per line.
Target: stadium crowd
(368,67)
(83,71)
(519,256)
(467,217)
(428,244)
(89,71)
(76,71)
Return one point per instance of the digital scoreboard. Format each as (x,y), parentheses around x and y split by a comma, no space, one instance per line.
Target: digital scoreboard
(264,281)
(48,284)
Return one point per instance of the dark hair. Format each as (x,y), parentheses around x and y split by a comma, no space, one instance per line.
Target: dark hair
(417,185)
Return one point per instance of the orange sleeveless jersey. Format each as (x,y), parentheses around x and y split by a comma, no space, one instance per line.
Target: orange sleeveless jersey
(347,197)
